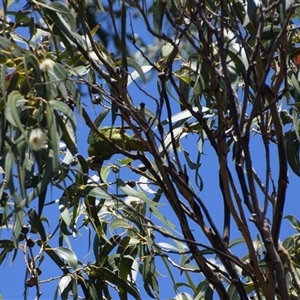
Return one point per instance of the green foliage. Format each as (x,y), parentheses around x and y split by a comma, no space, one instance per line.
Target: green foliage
(227,86)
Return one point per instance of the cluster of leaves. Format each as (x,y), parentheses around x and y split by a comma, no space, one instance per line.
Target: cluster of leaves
(39,94)
(226,75)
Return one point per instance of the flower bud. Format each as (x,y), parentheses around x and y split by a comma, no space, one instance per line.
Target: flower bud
(37,139)
(47,65)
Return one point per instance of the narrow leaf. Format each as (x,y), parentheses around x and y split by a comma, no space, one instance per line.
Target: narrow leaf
(68,255)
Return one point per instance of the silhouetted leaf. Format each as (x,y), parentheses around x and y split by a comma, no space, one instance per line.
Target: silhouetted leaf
(158,15)
(36,224)
(292,149)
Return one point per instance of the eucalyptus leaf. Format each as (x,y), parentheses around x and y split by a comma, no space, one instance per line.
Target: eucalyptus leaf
(138,72)
(96,191)
(158,15)
(68,255)
(43,183)
(110,276)
(59,76)
(64,286)
(36,224)
(168,246)
(232,292)
(166,50)
(185,115)
(65,12)
(104,172)
(64,212)
(12,111)
(54,136)
(119,223)
(97,123)
(292,149)
(153,205)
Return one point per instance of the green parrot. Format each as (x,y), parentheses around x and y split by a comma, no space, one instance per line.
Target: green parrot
(99,150)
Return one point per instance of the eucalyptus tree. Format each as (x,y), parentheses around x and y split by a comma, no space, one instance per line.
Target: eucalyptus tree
(116,107)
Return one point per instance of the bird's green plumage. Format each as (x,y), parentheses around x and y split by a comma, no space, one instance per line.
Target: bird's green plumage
(103,150)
